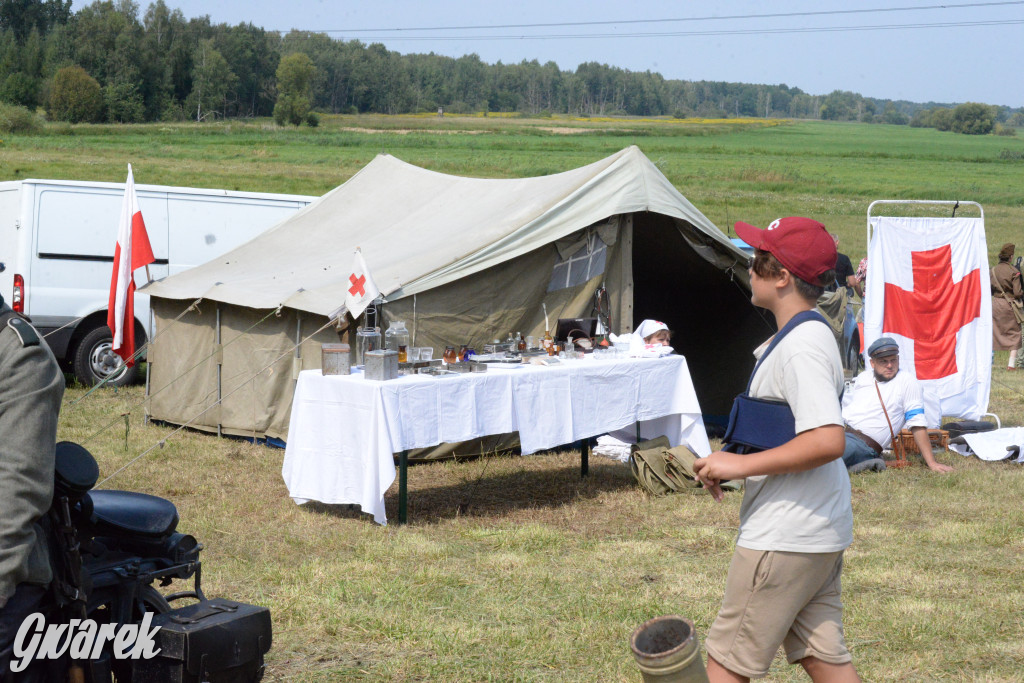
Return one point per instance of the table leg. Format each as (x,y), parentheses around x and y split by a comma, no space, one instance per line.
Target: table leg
(403,487)
(584,457)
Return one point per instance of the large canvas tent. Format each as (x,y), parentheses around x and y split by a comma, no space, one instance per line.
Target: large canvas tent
(461,260)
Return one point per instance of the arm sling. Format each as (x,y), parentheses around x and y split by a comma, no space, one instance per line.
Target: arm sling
(757,424)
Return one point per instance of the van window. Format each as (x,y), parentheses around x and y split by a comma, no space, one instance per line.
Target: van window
(83,222)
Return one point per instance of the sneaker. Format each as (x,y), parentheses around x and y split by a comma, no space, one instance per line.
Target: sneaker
(872,465)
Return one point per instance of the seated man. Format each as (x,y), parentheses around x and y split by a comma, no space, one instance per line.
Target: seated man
(867,430)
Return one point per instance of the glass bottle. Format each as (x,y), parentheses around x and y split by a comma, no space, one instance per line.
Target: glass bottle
(464,352)
(548,344)
(520,342)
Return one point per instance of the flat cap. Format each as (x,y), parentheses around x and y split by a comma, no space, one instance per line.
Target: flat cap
(883,346)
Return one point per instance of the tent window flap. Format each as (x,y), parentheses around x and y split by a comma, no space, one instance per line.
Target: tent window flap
(586,263)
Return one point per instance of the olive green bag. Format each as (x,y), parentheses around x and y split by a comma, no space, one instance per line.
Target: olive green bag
(661,469)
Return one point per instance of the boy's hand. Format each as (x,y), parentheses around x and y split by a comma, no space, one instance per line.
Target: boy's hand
(716,467)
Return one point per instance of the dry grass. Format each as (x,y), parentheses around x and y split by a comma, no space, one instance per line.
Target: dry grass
(515,569)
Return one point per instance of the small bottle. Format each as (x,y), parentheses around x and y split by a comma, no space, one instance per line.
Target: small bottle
(464,352)
(520,342)
(403,353)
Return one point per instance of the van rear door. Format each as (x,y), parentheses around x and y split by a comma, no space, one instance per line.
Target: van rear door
(10,215)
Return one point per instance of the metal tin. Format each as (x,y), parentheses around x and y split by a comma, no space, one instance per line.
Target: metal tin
(468,366)
(334,359)
(416,365)
(381,364)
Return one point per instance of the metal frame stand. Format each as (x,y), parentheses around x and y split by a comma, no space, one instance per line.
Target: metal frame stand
(943,202)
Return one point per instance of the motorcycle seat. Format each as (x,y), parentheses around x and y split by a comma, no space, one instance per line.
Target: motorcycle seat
(117,513)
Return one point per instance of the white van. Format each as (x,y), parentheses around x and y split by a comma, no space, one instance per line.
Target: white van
(57,241)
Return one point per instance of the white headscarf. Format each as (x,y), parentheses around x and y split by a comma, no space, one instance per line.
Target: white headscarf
(649,327)
(639,348)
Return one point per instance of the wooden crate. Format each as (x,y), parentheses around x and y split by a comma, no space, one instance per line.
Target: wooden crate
(939,439)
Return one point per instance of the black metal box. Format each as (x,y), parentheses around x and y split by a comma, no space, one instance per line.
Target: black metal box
(216,641)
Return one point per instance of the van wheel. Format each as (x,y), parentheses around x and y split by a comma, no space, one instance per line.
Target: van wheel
(94,361)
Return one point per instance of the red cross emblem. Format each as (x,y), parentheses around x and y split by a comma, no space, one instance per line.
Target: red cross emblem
(934,311)
(357,288)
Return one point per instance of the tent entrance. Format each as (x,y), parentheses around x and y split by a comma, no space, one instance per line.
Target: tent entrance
(713,323)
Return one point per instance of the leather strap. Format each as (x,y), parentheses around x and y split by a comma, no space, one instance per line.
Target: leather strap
(897,446)
(875,446)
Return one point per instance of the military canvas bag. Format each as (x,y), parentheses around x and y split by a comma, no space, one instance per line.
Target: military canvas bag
(661,469)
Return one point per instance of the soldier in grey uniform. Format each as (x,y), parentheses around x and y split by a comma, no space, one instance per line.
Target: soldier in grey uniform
(31,388)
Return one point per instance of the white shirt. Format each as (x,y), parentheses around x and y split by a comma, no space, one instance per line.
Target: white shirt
(807,511)
(903,403)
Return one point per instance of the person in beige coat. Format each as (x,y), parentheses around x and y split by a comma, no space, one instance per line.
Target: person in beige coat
(1006,284)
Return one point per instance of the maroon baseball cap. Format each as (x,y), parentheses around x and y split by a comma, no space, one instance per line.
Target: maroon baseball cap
(803,246)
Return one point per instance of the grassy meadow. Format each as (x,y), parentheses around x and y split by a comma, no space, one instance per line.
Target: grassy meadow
(515,569)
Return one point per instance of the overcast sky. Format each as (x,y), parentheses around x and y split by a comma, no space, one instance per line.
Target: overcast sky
(959,51)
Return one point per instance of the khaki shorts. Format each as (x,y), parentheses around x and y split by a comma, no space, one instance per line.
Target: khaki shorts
(777,598)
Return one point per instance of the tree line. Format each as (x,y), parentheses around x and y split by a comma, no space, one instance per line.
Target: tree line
(109,62)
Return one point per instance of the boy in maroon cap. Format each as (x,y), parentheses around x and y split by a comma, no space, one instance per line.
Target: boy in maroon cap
(783,586)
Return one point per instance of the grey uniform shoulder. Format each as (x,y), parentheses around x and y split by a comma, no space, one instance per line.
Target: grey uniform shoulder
(21,327)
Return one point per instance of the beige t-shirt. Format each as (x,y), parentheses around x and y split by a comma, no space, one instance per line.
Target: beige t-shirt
(805,511)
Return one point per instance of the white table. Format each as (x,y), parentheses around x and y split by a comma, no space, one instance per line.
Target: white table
(345,430)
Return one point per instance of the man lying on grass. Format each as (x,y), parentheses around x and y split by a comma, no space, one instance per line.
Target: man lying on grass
(783,585)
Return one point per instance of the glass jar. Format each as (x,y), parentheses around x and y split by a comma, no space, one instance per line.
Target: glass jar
(367,339)
(449,356)
(396,335)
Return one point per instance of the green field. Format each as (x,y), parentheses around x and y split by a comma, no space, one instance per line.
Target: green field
(731,170)
(513,569)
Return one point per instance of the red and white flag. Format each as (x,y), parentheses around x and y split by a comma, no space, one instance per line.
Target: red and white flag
(361,290)
(927,288)
(132,251)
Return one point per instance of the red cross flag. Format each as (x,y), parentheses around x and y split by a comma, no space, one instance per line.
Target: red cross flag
(132,251)
(927,287)
(361,289)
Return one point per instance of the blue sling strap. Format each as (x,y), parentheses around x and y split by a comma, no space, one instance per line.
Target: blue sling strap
(757,424)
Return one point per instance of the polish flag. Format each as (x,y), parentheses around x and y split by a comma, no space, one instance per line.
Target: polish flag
(132,251)
(927,288)
(361,288)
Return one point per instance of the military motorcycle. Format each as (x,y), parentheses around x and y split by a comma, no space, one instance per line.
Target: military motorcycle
(112,552)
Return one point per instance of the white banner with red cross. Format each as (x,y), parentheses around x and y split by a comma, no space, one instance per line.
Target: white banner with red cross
(927,288)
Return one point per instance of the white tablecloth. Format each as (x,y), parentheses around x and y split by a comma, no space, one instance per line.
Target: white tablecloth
(345,430)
